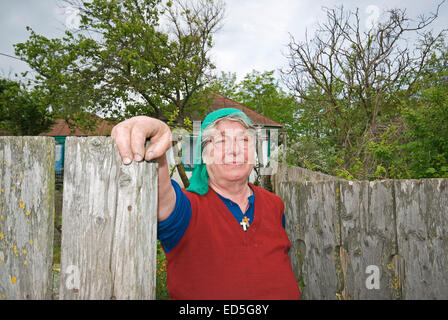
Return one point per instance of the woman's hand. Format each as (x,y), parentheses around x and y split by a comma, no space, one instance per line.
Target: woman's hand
(130,136)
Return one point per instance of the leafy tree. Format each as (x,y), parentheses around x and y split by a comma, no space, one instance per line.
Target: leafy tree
(226,84)
(428,131)
(261,92)
(129,57)
(23,112)
(350,84)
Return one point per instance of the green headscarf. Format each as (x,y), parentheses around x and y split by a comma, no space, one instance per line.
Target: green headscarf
(199,178)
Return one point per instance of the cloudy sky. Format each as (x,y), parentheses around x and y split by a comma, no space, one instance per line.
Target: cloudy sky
(254,35)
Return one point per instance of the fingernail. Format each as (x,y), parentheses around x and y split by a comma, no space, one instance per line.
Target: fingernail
(126,161)
(138,157)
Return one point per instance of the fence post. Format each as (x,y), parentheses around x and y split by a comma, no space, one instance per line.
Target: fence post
(368,240)
(312,227)
(109,220)
(422,224)
(26,217)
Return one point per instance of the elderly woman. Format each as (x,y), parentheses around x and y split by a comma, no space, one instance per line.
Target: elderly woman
(223,237)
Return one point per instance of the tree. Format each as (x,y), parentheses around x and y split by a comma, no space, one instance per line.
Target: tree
(23,112)
(226,84)
(261,92)
(422,150)
(350,83)
(129,57)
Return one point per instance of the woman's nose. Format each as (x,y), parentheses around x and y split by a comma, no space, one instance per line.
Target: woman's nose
(235,150)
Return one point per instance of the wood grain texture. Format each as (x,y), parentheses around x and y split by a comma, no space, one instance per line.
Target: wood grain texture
(108,225)
(26,217)
(368,238)
(339,228)
(422,224)
(314,236)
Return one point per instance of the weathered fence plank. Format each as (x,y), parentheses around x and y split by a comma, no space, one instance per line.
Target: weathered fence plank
(368,239)
(422,221)
(397,227)
(108,224)
(26,217)
(312,223)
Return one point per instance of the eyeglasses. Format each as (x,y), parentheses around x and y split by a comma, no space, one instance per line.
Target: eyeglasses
(223,141)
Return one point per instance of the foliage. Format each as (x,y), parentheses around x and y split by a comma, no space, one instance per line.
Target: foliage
(161,288)
(427,149)
(129,57)
(22,111)
(356,91)
(259,91)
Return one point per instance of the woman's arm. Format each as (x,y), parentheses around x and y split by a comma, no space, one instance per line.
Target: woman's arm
(167,196)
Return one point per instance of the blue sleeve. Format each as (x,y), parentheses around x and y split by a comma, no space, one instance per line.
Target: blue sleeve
(171,230)
(283,220)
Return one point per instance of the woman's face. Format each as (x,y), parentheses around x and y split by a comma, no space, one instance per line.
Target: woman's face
(230,153)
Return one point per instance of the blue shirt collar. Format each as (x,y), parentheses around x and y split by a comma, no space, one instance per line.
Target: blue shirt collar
(251,198)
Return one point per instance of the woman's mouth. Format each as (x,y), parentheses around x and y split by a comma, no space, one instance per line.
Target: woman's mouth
(233,163)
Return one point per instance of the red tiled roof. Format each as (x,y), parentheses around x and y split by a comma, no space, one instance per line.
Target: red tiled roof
(220,101)
(61,128)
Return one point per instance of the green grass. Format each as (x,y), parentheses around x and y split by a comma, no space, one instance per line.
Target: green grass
(161,289)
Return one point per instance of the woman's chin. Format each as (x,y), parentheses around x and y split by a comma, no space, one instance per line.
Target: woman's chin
(236,171)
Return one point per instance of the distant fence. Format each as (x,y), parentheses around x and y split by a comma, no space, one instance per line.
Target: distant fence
(297,174)
(109,219)
(368,240)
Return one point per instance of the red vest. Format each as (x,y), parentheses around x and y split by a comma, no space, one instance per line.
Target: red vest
(216,259)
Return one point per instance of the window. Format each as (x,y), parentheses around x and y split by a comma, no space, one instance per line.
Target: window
(188,146)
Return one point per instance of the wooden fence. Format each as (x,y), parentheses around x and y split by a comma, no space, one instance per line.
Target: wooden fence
(368,240)
(109,218)
(350,240)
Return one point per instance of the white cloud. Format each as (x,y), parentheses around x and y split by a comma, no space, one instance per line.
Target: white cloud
(254,35)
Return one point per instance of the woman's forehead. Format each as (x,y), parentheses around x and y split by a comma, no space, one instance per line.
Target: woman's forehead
(232,132)
(229,124)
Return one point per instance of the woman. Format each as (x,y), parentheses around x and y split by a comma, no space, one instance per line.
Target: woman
(223,237)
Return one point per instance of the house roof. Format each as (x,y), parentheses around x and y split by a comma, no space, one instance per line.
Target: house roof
(104,128)
(220,101)
(61,128)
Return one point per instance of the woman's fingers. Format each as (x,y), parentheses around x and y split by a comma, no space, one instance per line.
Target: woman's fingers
(159,144)
(138,139)
(130,137)
(122,136)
